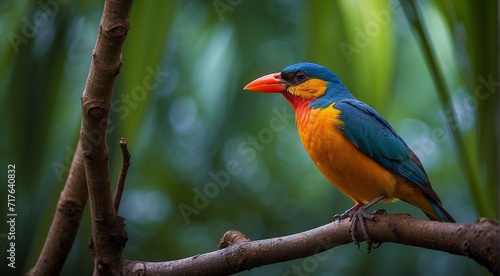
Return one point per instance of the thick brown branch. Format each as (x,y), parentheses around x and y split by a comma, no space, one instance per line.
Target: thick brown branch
(108,235)
(66,221)
(478,241)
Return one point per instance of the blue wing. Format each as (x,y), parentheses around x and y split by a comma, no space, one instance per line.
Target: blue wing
(373,135)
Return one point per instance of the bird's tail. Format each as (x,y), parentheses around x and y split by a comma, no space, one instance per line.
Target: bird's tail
(440,214)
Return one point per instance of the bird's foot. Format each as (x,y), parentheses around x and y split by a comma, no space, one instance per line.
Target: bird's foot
(359,216)
(358,213)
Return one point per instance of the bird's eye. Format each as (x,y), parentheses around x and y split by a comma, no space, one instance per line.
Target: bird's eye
(300,76)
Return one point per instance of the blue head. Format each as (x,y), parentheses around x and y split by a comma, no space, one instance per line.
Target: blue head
(304,82)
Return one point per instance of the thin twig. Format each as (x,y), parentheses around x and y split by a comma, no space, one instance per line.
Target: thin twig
(123,174)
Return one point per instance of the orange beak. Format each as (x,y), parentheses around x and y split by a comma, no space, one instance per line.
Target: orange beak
(271,83)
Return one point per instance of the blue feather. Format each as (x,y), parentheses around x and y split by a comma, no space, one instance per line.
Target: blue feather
(373,135)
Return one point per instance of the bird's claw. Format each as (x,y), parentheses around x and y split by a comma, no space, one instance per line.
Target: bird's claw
(348,213)
(358,213)
(379,212)
(360,216)
(342,216)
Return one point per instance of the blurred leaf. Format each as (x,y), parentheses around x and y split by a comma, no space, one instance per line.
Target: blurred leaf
(475,28)
(143,71)
(355,39)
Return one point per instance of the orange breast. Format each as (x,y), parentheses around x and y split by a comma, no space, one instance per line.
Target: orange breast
(343,164)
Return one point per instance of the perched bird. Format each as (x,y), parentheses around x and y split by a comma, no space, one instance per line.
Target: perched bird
(352,145)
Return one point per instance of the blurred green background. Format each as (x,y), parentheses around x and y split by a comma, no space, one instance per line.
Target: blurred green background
(179,103)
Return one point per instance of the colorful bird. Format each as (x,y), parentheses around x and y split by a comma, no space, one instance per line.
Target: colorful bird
(352,145)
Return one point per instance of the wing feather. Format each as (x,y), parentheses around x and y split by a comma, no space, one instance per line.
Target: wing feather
(375,137)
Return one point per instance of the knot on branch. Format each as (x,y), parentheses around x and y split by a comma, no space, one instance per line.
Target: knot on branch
(134,268)
(97,112)
(118,234)
(232,237)
(70,208)
(486,221)
(102,266)
(95,109)
(118,29)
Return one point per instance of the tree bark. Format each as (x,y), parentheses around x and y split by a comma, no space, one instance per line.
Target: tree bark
(479,241)
(66,220)
(89,172)
(108,233)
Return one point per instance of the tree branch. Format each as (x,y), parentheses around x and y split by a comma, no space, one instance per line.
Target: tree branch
(459,239)
(108,234)
(66,220)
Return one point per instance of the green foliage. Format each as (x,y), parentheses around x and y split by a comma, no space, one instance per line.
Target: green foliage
(208,157)
(356,40)
(475,31)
